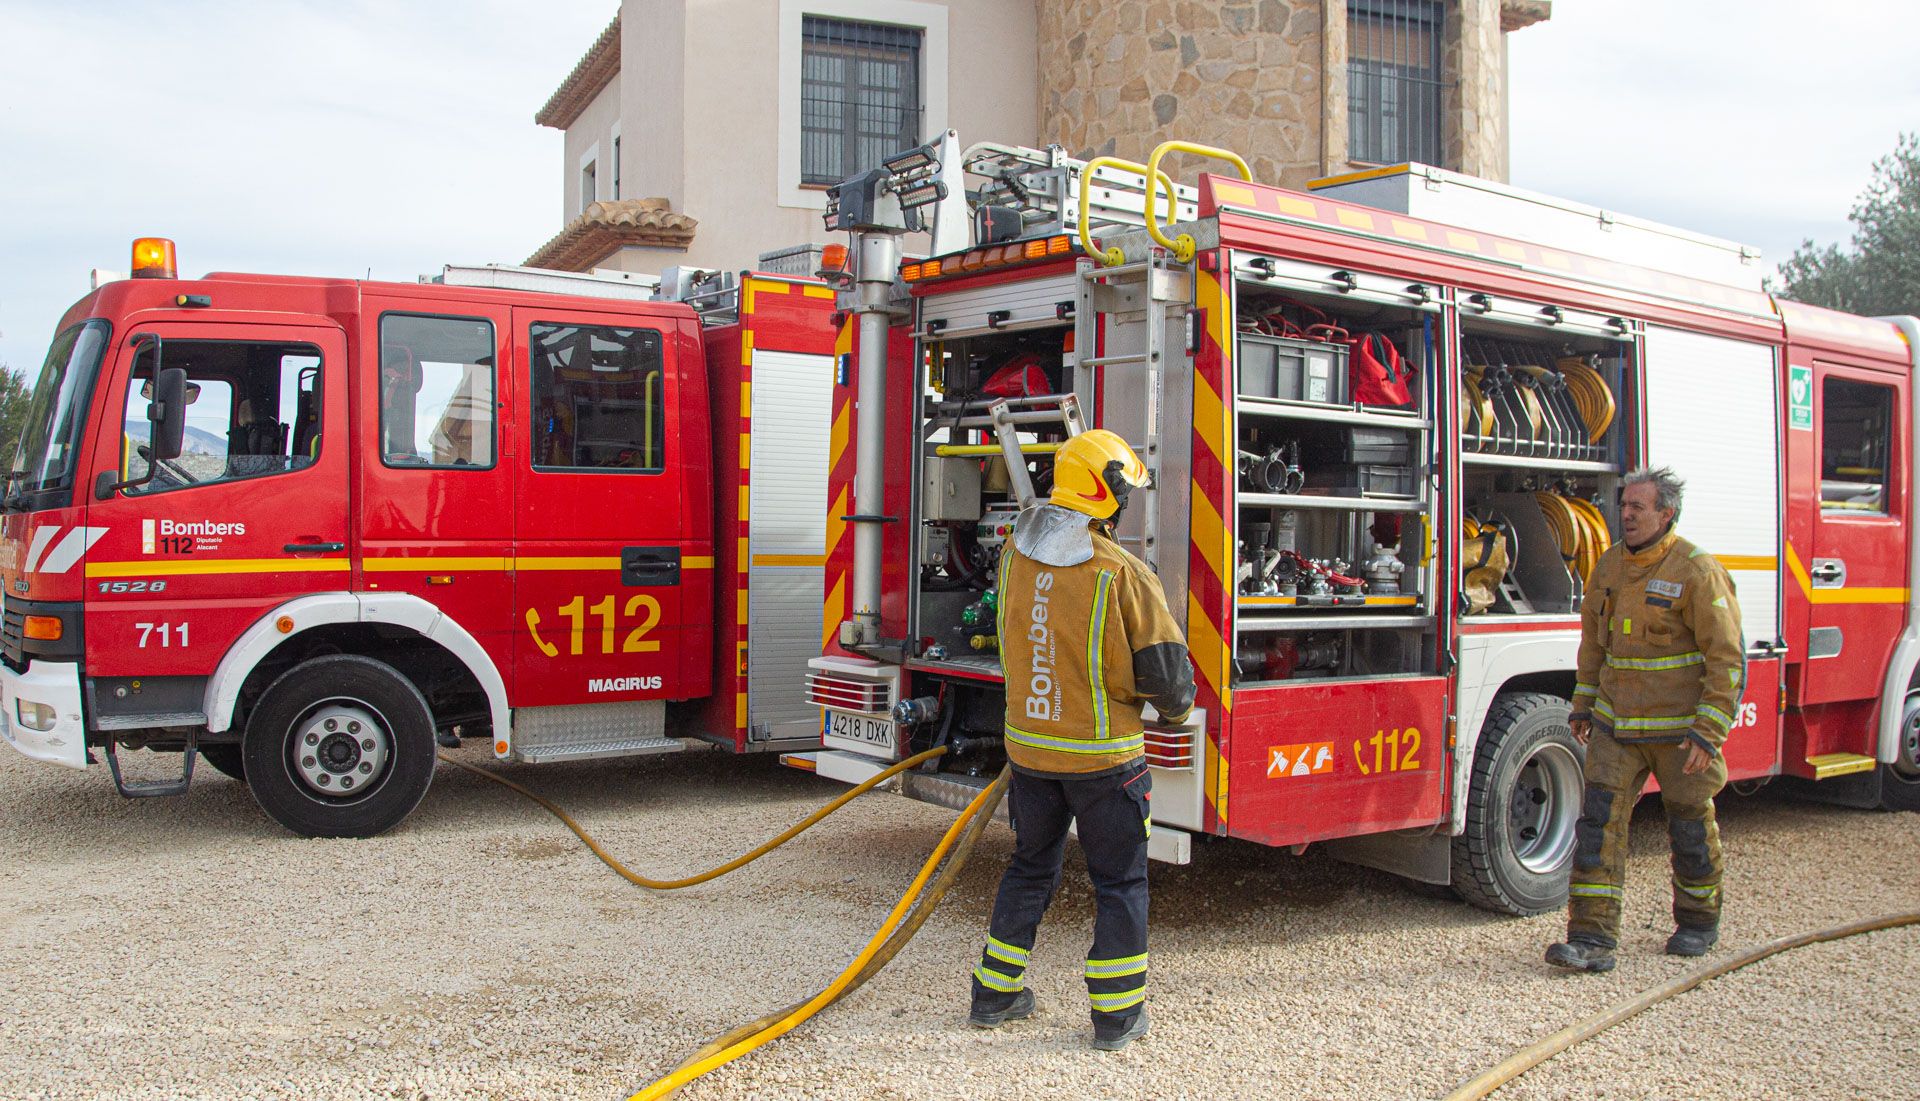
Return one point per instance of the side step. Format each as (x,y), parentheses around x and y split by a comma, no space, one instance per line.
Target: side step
(586,731)
(1828,765)
(154,789)
(587,751)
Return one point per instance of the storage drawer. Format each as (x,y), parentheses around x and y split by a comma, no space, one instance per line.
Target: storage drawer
(1364,480)
(1292,370)
(1360,444)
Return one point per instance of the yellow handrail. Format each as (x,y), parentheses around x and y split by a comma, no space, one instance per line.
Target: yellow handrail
(969,450)
(1113,257)
(1185,246)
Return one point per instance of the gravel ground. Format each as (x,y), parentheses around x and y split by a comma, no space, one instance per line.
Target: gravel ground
(189,948)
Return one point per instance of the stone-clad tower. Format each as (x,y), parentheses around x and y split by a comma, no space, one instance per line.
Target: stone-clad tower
(1277,80)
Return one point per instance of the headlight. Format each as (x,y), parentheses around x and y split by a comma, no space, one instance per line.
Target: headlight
(35,716)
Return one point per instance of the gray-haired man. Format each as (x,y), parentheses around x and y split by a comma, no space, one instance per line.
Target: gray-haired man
(1662,668)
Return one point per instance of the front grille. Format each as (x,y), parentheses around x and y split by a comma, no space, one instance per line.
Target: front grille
(16,649)
(13,638)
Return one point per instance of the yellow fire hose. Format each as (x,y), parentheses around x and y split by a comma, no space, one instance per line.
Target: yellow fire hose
(737,862)
(1524,1060)
(893,935)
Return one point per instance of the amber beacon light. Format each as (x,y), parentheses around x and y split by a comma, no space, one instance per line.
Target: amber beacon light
(153,258)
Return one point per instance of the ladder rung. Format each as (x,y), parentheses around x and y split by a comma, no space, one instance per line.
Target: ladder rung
(1102,361)
(989,422)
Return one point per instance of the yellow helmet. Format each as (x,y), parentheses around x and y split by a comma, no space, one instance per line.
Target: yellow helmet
(1093,472)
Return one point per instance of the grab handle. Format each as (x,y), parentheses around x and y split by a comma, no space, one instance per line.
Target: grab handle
(1185,246)
(1113,257)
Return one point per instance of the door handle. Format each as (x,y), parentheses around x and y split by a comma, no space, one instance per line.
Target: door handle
(1829,572)
(650,566)
(314,548)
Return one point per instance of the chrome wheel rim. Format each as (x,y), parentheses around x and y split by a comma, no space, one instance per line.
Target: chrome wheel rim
(340,750)
(1542,808)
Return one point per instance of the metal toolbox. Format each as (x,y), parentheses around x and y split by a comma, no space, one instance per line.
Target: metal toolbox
(1292,370)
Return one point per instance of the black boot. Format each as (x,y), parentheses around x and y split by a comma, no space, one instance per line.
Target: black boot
(1020,1007)
(1580,954)
(1122,1035)
(1692,942)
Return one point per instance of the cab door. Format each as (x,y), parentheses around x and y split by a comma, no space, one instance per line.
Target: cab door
(253,513)
(611,557)
(1855,578)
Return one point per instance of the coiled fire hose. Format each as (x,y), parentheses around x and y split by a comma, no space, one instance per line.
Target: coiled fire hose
(892,936)
(1524,1060)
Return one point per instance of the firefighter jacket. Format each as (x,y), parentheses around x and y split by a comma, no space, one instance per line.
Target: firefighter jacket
(1085,639)
(1661,657)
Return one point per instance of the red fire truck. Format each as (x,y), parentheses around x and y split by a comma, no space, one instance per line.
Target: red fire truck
(300,528)
(1387,420)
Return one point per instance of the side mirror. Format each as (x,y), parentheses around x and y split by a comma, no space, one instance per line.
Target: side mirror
(166,398)
(167,413)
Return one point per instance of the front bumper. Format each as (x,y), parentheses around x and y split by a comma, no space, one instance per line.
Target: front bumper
(57,684)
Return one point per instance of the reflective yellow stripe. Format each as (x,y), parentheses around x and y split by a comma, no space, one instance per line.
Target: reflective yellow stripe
(1586,689)
(1000,607)
(1642,722)
(1006,953)
(994,980)
(167,567)
(215,566)
(1676,661)
(1096,654)
(1075,745)
(1719,717)
(1112,1003)
(1595,890)
(1113,969)
(1699,892)
(435,564)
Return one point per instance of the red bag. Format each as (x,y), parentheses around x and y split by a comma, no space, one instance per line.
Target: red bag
(1021,377)
(1376,375)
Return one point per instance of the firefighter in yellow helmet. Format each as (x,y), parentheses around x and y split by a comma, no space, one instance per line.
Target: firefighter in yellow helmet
(1086,640)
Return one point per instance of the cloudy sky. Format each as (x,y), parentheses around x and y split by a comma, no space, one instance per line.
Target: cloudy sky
(348,136)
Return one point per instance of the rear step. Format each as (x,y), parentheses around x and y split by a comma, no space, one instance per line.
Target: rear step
(1828,765)
(155,789)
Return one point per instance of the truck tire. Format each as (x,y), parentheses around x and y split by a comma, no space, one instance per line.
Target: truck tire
(339,746)
(1522,802)
(226,758)
(1900,780)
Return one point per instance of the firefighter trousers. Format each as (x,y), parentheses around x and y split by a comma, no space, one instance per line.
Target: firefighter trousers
(1616,771)
(1112,812)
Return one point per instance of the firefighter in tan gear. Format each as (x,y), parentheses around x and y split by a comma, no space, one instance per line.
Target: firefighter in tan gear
(1085,640)
(1662,668)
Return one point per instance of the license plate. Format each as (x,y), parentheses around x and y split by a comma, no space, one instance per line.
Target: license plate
(859,732)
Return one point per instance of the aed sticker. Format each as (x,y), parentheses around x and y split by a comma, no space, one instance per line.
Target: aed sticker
(1800,397)
(1307,759)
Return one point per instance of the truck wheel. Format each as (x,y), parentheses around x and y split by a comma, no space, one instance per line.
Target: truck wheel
(340,746)
(1900,780)
(1522,803)
(225,758)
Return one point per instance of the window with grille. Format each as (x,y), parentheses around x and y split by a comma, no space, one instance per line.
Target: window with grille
(859,96)
(1394,87)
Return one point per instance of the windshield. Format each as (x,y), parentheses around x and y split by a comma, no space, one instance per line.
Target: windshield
(50,440)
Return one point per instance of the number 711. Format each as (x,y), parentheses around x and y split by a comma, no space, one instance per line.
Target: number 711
(167,631)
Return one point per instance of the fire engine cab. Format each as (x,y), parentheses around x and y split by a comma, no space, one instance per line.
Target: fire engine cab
(300,528)
(1387,420)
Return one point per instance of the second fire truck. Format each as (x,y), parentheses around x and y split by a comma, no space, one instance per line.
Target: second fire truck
(1387,420)
(301,528)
